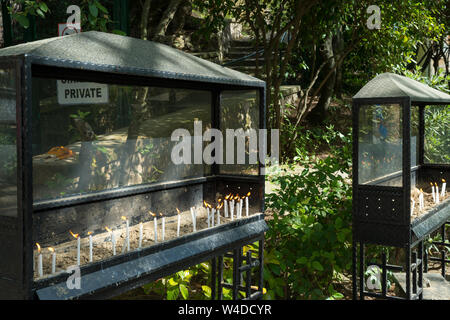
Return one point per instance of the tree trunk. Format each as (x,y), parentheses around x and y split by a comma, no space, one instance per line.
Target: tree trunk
(338,48)
(167,17)
(320,110)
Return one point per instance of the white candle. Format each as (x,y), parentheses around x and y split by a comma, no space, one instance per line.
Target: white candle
(432,193)
(163,226)
(155,224)
(412,206)
(213,211)
(127,234)
(178,225)
(77,236)
(226,206)
(90,246)
(193,220)
(40,267)
(209,216)
(53,259)
(421,204)
(232,209)
(241,203)
(444,185)
(246,204)
(141,234)
(113,240)
(437,192)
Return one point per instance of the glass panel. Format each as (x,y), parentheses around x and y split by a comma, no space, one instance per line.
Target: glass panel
(414,143)
(8,149)
(437,134)
(380,145)
(90,137)
(240,110)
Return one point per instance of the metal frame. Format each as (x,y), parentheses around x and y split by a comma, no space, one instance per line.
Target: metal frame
(29,66)
(396,233)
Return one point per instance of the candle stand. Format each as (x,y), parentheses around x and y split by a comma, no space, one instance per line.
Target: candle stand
(400,171)
(103,140)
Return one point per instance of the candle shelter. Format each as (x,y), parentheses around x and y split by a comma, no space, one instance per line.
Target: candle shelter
(400,169)
(90,173)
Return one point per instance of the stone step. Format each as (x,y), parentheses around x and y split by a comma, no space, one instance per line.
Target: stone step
(435,287)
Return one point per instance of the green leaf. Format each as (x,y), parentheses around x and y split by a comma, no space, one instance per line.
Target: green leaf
(184,291)
(172,294)
(302,260)
(316,265)
(43,6)
(93,10)
(22,20)
(99,5)
(207,291)
(40,13)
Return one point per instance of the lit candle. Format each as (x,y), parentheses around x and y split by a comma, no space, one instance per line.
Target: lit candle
(444,185)
(432,193)
(241,204)
(218,211)
(163,226)
(77,236)
(226,205)
(113,240)
(412,206)
(437,192)
(127,237)
(155,224)
(232,209)
(178,225)
(194,218)
(40,267)
(90,246)
(208,213)
(141,234)
(246,204)
(213,211)
(53,259)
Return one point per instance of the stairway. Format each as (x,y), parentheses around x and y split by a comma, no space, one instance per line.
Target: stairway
(239,49)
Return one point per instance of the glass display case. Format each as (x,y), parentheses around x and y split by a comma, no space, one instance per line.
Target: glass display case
(401,164)
(88,175)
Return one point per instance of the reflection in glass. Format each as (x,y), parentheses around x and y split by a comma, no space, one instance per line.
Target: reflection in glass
(239,110)
(380,145)
(437,134)
(84,147)
(8,149)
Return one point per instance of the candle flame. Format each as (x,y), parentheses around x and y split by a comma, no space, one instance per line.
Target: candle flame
(153,215)
(431,183)
(108,229)
(123,218)
(89,233)
(220,200)
(421,190)
(219,206)
(51,249)
(205,203)
(435,184)
(38,247)
(443,180)
(178,211)
(248,194)
(74,235)
(160,214)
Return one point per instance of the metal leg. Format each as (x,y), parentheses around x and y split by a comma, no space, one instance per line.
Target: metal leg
(384,274)
(220,276)
(354,270)
(361,271)
(236,276)
(213,278)
(408,272)
(420,249)
(261,267)
(414,273)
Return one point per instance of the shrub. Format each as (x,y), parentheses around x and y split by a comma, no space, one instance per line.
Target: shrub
(309,238)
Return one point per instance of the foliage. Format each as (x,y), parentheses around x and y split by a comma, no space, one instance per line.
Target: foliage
(309,238)
(29,8)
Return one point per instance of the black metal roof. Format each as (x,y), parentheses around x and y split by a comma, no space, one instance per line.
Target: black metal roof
(99,51)
(390,85)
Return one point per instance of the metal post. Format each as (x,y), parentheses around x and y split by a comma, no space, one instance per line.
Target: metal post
(414,273)
(236,254)
(384,274)
(213,278)
(248,279)
(443,251)
(408,272)
(261,268)
(220,276)
(354,269)
(361,270)
(420,249)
